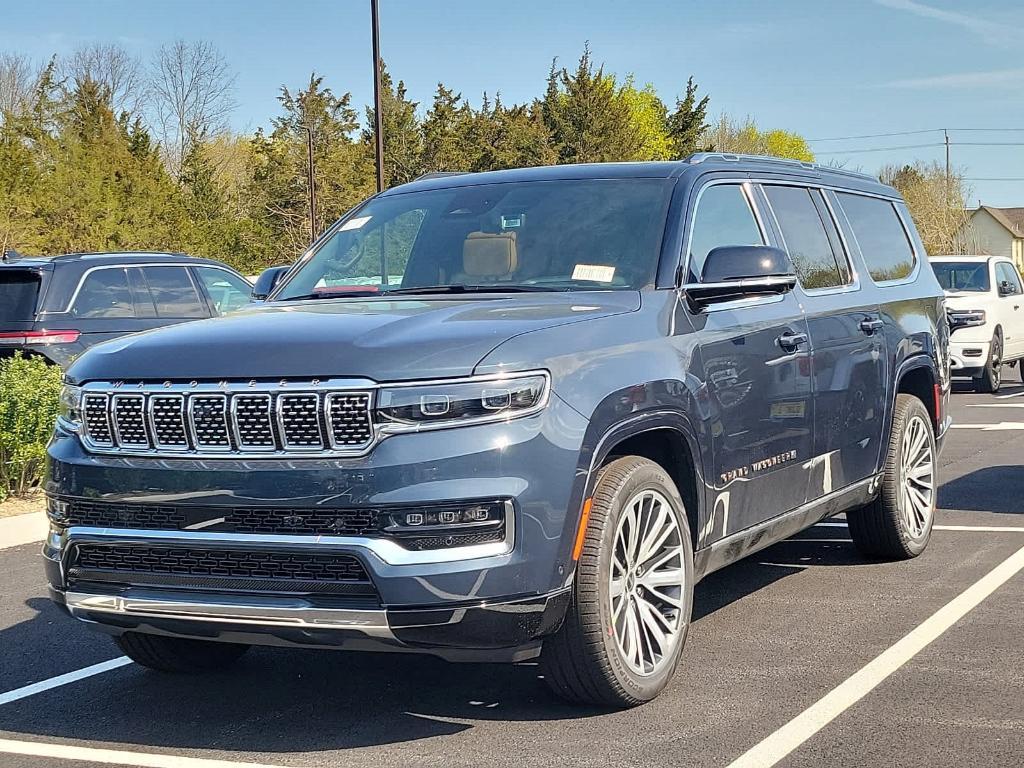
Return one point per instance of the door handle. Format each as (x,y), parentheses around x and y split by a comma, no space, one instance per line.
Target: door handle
(870,325)
(790,341)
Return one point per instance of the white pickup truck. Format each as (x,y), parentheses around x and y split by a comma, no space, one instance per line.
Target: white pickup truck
(985,302)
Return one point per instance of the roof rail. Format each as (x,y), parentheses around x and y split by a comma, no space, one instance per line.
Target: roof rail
(699,157)
(439,175)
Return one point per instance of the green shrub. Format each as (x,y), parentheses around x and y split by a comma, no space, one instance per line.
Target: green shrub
(29,394)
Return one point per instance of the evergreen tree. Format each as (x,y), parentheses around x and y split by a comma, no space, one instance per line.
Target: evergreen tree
(688,122)
(403,141)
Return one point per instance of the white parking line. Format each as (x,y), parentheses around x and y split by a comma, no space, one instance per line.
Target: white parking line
(802,727)
(1001,426)
(979,528)
(1012,394)
(57,682)
(117,756)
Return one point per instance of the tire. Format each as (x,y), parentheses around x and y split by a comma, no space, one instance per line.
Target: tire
(586,661)
(177,654)
(898,523)
(991,378)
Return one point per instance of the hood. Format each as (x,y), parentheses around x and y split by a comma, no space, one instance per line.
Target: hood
(967,299)
(379,339)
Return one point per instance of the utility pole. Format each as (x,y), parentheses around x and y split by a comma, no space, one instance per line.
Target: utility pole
(377,117)
(945,133)
(312,186)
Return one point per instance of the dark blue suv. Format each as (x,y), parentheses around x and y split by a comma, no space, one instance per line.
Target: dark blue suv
(501,415)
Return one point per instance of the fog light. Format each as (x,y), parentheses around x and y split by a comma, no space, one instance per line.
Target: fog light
(57,510)
(447,525)
(414,518)
(448,516)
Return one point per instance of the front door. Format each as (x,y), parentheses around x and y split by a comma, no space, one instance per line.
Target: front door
(1011,312)
(755,365)
(848,353)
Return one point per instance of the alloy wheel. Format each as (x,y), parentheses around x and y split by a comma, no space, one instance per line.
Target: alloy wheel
(996,363)
(917,477)
(646,583)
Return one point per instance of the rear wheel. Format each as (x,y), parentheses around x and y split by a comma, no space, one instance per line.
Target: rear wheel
(991,376)
(178,654)
(898,524)
(630,608)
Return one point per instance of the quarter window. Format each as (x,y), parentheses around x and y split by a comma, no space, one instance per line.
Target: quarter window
(228,292)
(880,234)
(799,213)
(104,293)
(173,292)
(723,217)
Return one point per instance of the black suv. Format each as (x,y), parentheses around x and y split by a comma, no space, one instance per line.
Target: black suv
(501,415)
(57,306)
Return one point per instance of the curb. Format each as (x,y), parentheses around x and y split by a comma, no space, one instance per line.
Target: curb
(22,529)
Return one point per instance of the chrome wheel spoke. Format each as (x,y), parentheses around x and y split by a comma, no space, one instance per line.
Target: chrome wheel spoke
(647,580)
(917,477)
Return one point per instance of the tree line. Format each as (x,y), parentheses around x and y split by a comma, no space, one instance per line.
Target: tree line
(99,151)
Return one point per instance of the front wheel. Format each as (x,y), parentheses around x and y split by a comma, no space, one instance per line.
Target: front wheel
(633,594)
(991,378)
(898,524)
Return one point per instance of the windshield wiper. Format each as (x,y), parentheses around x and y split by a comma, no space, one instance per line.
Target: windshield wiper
(458,288)
(331,295)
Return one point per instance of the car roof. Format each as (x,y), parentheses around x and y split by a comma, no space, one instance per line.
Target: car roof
(99,258)
(694,165)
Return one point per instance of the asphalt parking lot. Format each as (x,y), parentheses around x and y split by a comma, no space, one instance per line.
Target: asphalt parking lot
(803,655)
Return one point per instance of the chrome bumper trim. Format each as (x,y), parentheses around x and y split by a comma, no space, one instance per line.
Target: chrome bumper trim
(279,614)
(388,551)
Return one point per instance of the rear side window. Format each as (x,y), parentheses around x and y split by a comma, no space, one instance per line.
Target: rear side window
(810,247)
(880,235)
(18,292)
(173,292)
(723,217)
(104,293)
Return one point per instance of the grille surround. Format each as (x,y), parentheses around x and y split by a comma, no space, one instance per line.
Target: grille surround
(317,419)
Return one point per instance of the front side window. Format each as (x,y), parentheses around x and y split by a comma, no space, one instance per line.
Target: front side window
(807,241)
(955,276)
(104,293)
(173,293)
(880,234)
(723,217)
(227,291)
(592,234)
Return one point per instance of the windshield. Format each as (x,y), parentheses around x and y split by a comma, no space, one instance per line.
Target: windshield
(18,290)
(962,275)
(595,234)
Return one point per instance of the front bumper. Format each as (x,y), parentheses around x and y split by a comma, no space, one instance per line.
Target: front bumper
(968,358)
(466,598)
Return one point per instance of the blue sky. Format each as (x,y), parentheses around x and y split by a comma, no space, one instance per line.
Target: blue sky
(824,69)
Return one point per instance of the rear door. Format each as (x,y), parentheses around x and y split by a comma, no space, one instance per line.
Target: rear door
(848,357)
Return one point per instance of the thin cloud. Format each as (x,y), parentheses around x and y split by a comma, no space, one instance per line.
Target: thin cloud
(997,34)
(999,78)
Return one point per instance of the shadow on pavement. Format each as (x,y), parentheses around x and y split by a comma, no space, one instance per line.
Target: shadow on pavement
(283,701)
(989,489)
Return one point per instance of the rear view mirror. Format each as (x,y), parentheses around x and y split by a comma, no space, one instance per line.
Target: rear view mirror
(267,282)
(738,271)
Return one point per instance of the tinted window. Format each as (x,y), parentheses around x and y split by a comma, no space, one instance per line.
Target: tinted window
(809,246)
(173,292)
(228,292)
(557,235)
(962,275)
(723,217)
(18,291)
(880,235)
(104,293)
(1007,273)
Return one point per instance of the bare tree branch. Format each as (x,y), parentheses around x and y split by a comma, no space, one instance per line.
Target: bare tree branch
(19,77)
(112,67)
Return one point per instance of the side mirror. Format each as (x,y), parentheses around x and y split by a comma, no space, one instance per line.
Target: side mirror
(1006,288)
(738,271)
(266,282)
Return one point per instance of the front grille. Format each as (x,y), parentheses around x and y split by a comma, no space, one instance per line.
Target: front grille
(209,420)
(221,569)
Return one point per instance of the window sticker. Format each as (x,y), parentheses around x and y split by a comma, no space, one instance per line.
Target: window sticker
(513,222)
(356,223)
(595,272)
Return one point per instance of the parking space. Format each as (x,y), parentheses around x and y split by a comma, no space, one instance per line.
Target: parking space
(772,637)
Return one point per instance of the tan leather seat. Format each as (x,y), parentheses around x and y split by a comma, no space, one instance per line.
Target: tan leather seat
(486,254)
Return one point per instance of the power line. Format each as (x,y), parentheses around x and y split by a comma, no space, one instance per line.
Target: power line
(911,133)
(861,150)
(994,178)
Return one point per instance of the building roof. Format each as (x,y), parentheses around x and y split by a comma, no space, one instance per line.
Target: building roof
(1011,218)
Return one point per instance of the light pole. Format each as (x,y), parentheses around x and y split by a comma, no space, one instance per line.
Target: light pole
(311,181)
(377,118)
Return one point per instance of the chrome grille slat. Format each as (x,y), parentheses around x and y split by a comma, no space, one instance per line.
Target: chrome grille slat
(251,419)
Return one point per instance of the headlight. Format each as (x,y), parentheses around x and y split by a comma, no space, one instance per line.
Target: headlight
(69,409)
(408,408)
